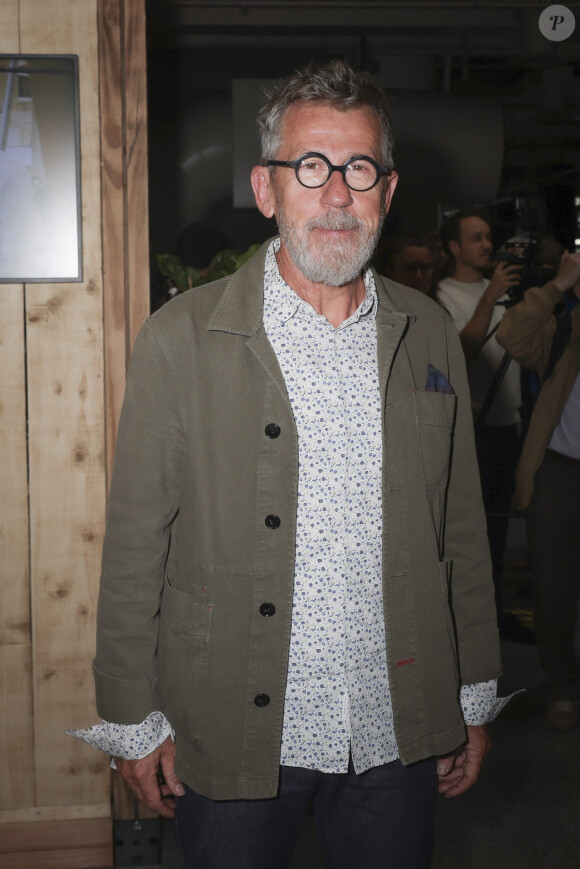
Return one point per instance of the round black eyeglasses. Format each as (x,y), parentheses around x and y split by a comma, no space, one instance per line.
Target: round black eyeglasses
(313,170)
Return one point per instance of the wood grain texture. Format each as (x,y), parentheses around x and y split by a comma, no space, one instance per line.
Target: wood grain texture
(113,218)
(65,858)
(122,52)
(137,208)
(14,575)
(56,414)
(9,32)
(16,745)
(54,813)
(48,835)
(61,845)
(66,450)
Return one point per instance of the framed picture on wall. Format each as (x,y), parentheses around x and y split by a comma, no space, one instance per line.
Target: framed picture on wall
(40,197)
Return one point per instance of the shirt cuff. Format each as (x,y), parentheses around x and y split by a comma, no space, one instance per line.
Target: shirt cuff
(129,741)
(480,703)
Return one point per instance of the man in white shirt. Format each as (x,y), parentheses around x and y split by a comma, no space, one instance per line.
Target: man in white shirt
(477,305)
(296,579)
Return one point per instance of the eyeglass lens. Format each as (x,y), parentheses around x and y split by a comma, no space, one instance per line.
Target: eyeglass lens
(360,174)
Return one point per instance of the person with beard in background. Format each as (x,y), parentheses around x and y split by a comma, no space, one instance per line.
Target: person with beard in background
(294,477)
(477,304)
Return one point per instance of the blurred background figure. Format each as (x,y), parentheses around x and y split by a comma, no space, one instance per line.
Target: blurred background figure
(408,259)
(477,305)
(543,333)
(440,258)
(540,256)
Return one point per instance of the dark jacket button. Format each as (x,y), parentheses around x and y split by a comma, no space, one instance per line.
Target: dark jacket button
(267,609)
(261,700)
(272,521)
(272,430)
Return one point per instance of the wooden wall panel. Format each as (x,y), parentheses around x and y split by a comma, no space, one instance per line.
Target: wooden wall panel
(61,845)
(124,193)
(137,208)
(14,590)
(54,340)
(113,209)
(16,745)
(9,34)
(66,449)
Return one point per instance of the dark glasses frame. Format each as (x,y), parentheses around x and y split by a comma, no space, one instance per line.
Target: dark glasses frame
(295,164)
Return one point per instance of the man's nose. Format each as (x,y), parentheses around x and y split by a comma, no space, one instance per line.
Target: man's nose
(336,191)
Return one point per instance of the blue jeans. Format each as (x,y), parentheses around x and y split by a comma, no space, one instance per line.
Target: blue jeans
(382,819)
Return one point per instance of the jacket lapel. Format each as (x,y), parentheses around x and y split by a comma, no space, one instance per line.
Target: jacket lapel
(241,312)
(393,320)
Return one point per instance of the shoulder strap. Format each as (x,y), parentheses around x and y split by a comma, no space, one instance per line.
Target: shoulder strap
(561,337)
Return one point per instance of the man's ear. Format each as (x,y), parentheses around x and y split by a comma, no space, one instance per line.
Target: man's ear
(454,248)
(262,187)
(390,189)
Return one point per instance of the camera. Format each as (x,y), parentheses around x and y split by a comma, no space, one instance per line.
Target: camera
(531,274)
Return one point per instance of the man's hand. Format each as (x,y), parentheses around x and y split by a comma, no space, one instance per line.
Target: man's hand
(569,273)
(152,778)
(473,334)
(457,772)
(505,276)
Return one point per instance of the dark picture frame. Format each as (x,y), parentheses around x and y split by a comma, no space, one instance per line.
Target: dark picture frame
(40,169)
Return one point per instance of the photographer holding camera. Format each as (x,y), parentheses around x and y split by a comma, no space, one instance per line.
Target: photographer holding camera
(543,333)
(477,306)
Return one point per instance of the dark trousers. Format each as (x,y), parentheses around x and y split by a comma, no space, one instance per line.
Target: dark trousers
(553,526)
(382,818)
(497,454)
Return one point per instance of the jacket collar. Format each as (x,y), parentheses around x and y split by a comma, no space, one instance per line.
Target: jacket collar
(240,309)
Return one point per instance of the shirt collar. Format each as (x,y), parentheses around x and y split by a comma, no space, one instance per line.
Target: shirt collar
(281,303)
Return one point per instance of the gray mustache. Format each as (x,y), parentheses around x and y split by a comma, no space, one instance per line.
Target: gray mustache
(334,220)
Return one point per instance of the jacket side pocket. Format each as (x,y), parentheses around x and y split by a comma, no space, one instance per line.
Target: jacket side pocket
(182,659)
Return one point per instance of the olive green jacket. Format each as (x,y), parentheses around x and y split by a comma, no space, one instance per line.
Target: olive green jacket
(189,559)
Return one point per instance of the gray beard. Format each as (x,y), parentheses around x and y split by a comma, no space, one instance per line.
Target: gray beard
(341,262)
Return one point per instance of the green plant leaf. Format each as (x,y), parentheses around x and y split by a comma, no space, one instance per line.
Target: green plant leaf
(244,257)
(185,277)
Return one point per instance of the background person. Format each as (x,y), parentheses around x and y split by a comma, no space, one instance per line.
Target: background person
(407,259)
(543,333)
(477,306)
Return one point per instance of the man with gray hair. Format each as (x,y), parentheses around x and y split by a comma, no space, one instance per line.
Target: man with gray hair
(296,605)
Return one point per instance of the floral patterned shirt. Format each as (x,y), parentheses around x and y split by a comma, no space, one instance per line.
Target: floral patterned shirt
(337,701)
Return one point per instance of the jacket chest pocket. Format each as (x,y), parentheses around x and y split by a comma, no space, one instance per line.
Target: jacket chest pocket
(435,419)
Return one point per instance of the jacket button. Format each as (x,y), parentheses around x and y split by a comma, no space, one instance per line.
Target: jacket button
(261,700)
(272,430)
(267,609)
(272,521)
